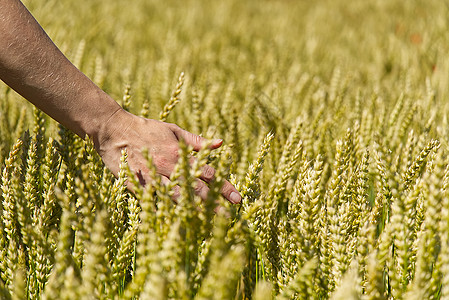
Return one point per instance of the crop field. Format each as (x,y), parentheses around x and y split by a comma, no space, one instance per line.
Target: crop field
(334,116)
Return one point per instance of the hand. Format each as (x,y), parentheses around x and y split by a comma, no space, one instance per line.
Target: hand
(133,133)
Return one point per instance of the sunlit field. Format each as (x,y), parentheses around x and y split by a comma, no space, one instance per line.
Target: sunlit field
(334,116)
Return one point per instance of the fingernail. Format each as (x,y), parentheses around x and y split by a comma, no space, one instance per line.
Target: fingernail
(235,197)
(218,141)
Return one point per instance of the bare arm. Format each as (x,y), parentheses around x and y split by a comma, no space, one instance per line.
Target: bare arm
(32,65)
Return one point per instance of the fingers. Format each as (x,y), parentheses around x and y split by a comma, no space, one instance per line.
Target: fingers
(228,190)
(165,181)
(207,173)
(194,140)
(201,189)
(174,189)
(230,193)
(176,193)
(165,165)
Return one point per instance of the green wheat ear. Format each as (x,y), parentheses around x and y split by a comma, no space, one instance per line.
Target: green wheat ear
(251,186)
(96,273)
(126,100)
(174,99)
(147,243)
(11,229)
(63,258)
(301,285)
(263,291)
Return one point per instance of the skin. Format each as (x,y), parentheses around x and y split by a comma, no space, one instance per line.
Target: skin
(32,65)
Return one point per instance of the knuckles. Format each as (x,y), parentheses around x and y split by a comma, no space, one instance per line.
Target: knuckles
(199,186)
(173,127)
(197,140)
(208,173)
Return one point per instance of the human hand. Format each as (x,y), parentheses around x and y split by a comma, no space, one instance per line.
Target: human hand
(127,131)
(33,66)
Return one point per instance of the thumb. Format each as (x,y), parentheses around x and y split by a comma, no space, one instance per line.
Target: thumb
(196,141)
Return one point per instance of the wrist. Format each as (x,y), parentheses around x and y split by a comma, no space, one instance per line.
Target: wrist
(103,112)
(112,124)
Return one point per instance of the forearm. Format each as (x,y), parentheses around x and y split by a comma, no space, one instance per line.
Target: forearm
(33,66)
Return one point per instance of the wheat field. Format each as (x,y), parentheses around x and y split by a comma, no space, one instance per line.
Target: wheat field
(334,117)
